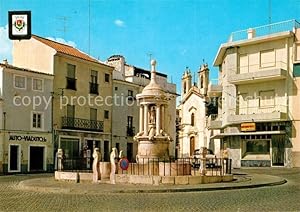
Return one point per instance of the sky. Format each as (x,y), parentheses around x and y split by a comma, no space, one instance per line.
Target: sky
(177,33)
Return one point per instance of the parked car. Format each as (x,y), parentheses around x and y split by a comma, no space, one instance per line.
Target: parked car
(211,160)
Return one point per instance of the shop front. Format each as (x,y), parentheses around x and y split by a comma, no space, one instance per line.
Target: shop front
(27,152)
(258,144)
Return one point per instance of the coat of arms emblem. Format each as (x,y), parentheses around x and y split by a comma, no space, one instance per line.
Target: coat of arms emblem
(19,24)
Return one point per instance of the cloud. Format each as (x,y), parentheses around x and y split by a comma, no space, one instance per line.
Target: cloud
(5,45)
(119,23)
(183,52)
(63,41)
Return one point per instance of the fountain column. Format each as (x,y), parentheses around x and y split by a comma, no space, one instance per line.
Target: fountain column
(141,118)
(158,115)
(145,119)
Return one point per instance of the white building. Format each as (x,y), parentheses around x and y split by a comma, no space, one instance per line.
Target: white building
(128,81)
(192,132)
(26,143)
(259,82)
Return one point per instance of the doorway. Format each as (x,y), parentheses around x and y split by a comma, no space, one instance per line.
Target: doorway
(192,145)
(106,151)
(278,150)
(14,158)
(36,158)
(129,151)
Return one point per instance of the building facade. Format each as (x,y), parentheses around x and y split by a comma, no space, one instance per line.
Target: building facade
(82,91)
(26,143)
(128,81)
(192,110)
(258,81)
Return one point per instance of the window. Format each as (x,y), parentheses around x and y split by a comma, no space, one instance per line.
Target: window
(129,121)
(267,58)
(37,84)
(257,147)
(93,83)
(106,114)
(37,120)
(20,82)
(130,128)
(116,88)
(267,98)
(93,114)
(296,70)
(244,64)
(201,81)
(71,81)
(106,77)
(130,95)
(70,147)
(193,119)
(184,87)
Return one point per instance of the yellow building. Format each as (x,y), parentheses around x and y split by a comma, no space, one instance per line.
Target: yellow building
(82,94)
(259,82)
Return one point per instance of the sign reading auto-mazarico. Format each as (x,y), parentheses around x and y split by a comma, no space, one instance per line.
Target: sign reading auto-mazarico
(27,138)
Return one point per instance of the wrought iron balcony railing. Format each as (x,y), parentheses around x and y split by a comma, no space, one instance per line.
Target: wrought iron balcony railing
(94,88)
(82,124)
(130,131)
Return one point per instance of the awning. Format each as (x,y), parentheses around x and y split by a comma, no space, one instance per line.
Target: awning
(222,135)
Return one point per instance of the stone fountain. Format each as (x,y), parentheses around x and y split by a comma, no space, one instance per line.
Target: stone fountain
(153,140)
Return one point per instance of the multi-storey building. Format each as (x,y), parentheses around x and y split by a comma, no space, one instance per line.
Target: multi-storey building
(82,91)
(128,81)
(258,115)
(25,120)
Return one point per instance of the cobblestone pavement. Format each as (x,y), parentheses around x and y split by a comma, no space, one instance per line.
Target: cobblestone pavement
(276,198)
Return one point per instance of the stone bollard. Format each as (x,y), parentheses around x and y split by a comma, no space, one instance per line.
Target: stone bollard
(96,165)
(203,153)
(60,159)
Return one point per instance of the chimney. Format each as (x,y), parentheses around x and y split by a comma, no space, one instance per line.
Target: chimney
(5,62)
(251,33)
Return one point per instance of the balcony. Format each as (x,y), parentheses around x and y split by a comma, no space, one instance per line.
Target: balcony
(214,90)
(259,114)
(130,131)
(94,88)
(265,30)
(259,73)
(81,124)
(214,121)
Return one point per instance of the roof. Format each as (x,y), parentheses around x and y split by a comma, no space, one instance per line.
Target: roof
(68,50)
(23,69)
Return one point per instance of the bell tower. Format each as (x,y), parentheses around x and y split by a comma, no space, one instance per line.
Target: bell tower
(186,82)
(203,79)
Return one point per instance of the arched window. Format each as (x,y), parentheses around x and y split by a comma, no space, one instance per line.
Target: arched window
(201,81)
(193,119)
(184,87)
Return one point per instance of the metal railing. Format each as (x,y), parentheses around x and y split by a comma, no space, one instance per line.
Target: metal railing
(77,164)
(159,167)
(178,167)
(82,124)
(265,30)
(260,109)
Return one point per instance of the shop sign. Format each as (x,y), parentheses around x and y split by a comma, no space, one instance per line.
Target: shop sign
(248,127)
(27,138)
